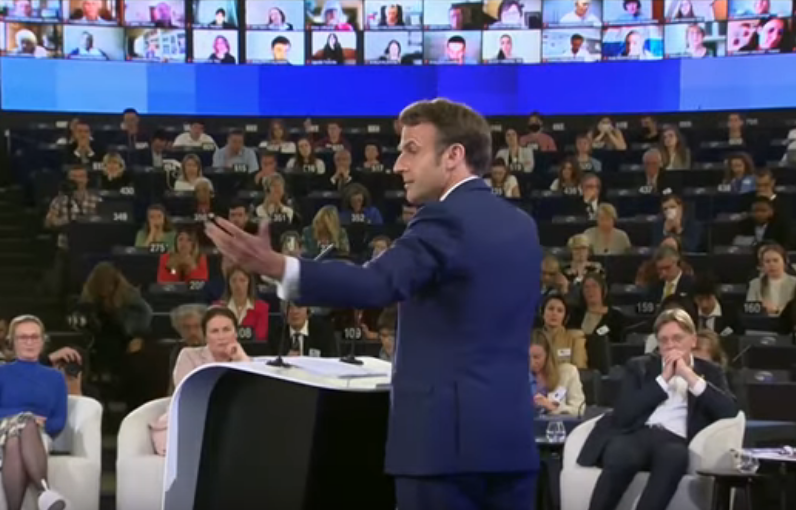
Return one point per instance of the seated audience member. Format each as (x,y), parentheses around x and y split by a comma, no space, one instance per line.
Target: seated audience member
(157,153)
(606,136)
(675,221)
(654,173)
(342,176)
(157,230)
(672,280)
(113,176)
(408,212)
(238,215)
(33,409)
(186,320)
(675,151)
(305,160)
(379,245)
(594,315)
(275,206)
(654,419)
(79,151)
(673,302)
(357,206)
(203,197)
(735,134)
(568,180)
(235,153)
(766,186)
(132,135)
(650,134)
(537,138)
(569,346)
(333,141)
(190,174)
(251,313)
(647,273)
(307,335)
(195,137)
(74,201)
(558,386)
(553,279)
(588,203)
(276,142)
(739,173)
(387,326)
(708,347)
(325,230)
(775,287)
(372,153)
(579,264)
(712,313)
(517,158)
(787,319)
(583,155)
(70,135)
(221,335)
(763,225)
(501,182)
(605,238)
(185,263)
(268,167)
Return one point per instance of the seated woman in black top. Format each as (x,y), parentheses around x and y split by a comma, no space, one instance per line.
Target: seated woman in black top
(593,315)
(114,176)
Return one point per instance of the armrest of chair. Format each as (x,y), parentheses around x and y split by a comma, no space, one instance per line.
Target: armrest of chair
(710,448)
(82,436)
(134,434)
(575,441)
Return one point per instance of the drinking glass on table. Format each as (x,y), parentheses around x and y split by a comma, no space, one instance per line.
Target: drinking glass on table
(744,461)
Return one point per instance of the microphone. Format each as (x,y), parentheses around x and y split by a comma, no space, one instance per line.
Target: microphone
(279,360)
(351,357)
(743,351)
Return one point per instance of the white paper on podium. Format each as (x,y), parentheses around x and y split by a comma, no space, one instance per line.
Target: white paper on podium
(333,367)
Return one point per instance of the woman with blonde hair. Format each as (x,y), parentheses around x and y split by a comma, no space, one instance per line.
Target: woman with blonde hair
(190,173)
(324,231)
(114,177)
(275,204)
(774,287)
(605,238)
(708,347)
(558,386)
(579,265)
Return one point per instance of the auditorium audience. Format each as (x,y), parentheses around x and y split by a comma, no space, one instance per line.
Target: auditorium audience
(276,142)
(157,154)
(190,173)
(240,296)
(325,230)
(569,345)
(677,221)
(568,179)
(113,176)
(501,182)
(74,201)
(766,186)
(583,155)
(553,279)
(221,335)
(185,263)
(195,137)
(342,176)
(80,152)
(132,136)
(588,203)
(537,138)
(517,157)
(275,206)
(357,206)
(775,287)
(655,178)
(203,198)
(307,334)
(672,280)
(70,135)
(238,215)
(675,151)
(714,314)
(157,230)
(605,238)
(387,325)
(33,410)
(372,153)
(606,136)
(650,134)
(558,386)
(186,320)
(739,173)
(708,347)
(333,141)
(305,160)
(579,265)
(379,245)
(762,225)
(594,315)
(735,134)
(268,167)
(235,154)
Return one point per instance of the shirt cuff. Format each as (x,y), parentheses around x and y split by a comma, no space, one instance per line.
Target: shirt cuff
(287,289)
(698,388)
(662,383)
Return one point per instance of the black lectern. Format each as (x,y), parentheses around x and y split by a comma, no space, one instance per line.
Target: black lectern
(278,438)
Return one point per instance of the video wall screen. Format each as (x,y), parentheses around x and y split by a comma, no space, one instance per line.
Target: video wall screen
(394,32)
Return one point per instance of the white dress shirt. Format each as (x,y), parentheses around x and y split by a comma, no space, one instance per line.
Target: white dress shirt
(287,290)
(710,318)
(186,140)
(672,413)
(303,333)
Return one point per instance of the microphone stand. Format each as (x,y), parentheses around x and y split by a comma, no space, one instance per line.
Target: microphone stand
(279,361)
(351,357)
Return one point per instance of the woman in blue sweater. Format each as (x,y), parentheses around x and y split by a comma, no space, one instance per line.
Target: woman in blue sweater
(33,404)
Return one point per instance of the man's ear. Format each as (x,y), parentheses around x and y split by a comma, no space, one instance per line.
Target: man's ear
(454,156)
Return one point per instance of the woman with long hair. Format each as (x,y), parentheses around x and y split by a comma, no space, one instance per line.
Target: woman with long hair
(709,348)
(675,151)
(190,173)
(568,345)
(558,386)
(594,315)
(333,50)
(357,206)
(240,296)
(185,263)
(275,207)
(276,142)
(305,160)
(157,230)
(775,287)
(324,231)
(739,173)
(568,180)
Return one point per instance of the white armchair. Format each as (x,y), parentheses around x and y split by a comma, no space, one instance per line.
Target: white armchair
(75,467)
(139,470)
(710,449)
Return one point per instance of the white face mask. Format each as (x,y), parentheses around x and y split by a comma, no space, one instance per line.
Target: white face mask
(670,214)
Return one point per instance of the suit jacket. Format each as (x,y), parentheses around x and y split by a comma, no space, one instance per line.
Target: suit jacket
(614,321)
(729,323)
(320,338)
(468,294)
(640,394)
(777,230)
(684,287)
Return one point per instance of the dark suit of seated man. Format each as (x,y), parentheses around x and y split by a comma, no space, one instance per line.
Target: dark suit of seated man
(672,280)
(664,401)
(306,335)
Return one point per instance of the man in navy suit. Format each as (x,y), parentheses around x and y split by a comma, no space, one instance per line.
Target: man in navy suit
(466,275)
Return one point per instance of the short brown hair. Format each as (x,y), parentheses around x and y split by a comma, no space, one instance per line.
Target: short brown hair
(678,316)
(456,123)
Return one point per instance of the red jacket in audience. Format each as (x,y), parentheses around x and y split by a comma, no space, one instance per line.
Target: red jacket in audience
(254,324)
(166,275)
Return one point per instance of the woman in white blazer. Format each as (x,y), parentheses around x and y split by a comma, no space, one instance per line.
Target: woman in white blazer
(774,288)
(558,386)
(518,159)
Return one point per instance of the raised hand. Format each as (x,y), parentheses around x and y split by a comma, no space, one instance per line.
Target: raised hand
(253,252)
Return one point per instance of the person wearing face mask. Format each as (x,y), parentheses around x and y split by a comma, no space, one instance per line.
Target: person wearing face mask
(568,345)
(220,331)
(675,222)
(762,225)
(536,138)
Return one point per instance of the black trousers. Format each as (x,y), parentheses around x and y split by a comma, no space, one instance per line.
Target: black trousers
(662,453)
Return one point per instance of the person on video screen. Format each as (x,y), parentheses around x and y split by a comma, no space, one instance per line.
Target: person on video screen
(392,53)
(87,49)
(506,51)
(91,10)
(455,49)
(28,45)
(280,49)
(220,21)
(509,15)
(162,15)
(684,10)
(576,50)
(742,37)
(456,17)
(333,16)
(695,42)
(333,50)
(277,20)
(580,15)
(221,51)
(632,11)
(760,8)
(634,47)
(391,16)
(773,35)
(21,9)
